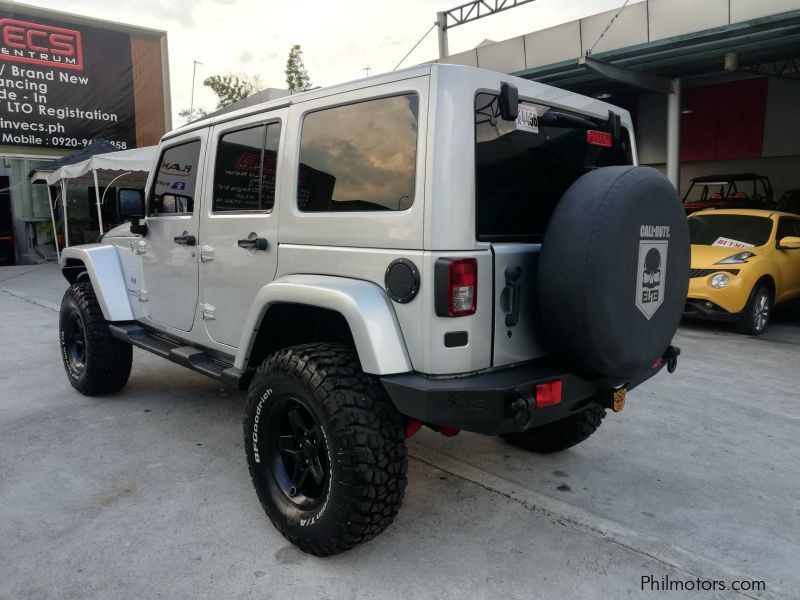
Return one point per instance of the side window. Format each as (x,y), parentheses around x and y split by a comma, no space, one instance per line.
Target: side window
(787,227)
(174,187)
(359,157)
(244,174)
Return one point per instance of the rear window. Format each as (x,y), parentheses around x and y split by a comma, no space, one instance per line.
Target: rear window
(522,174)
(726,230)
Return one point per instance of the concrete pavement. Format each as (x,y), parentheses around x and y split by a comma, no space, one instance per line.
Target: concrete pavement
(146,493)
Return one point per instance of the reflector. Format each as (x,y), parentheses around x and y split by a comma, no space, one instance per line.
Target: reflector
(548,394)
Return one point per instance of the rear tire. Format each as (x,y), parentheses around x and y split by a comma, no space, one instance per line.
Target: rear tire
(757,314)
(96,362)
(325,447)
(560,435)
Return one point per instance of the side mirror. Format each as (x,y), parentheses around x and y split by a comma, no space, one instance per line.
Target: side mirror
(509,102)
(130,205)
(789,242)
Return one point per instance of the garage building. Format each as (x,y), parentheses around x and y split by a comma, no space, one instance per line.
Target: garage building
(734,65)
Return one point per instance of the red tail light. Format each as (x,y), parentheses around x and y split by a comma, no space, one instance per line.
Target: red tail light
(598,138)
(457,287)
(548,394)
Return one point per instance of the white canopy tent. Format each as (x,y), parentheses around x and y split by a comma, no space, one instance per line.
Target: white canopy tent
(125,168)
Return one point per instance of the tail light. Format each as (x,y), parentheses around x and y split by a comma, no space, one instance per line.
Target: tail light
(456,287)
(599,138)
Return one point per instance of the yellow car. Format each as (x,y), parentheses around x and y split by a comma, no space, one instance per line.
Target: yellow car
(743,263)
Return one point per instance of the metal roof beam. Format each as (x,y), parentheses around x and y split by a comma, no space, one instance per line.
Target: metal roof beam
(647,81)
(471,11)
(466,13)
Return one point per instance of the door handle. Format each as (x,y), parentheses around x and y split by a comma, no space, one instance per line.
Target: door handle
(185,239)
(254,243)
(512,289)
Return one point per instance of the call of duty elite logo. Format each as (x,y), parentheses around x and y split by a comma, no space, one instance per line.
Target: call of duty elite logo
(650,277)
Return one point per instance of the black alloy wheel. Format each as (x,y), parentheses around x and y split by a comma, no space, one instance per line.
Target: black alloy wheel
(299,456)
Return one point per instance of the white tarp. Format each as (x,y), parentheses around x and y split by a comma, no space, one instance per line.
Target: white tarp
(138,162)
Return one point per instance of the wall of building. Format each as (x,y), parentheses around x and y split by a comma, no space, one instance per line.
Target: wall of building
(113,84)
(738,114)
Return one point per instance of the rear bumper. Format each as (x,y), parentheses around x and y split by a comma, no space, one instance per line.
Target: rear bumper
(502,401)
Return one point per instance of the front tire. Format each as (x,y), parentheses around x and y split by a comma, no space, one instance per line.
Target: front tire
(559,435)
(757,314)
(325,448)
(96,362)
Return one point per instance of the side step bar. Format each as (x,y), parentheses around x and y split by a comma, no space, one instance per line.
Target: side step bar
(187,356)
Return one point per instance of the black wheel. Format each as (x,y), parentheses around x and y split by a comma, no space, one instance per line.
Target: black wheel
(325,448)
(559,435)
(756,315)
(96,362)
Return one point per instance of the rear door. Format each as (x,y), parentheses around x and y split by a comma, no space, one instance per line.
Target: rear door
(522,171)
(169,260)
(240,222)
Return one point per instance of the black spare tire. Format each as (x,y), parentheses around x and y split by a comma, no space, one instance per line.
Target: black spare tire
(614,271)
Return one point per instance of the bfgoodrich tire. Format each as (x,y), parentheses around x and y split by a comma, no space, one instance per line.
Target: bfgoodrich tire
(325,448)
(96,362)
(560,435)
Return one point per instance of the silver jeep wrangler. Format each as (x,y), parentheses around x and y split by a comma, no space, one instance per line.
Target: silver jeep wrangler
(441,246)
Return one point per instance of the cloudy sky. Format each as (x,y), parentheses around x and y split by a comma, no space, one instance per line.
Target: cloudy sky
(339,37)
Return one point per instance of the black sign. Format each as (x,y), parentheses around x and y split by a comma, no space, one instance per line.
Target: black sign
(62,85)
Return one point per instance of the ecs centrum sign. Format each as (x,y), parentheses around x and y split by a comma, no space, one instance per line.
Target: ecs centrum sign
(43,45)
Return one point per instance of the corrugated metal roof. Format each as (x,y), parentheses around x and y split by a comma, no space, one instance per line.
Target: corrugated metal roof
(758,41)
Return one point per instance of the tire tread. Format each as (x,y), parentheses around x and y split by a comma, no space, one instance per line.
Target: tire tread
(560,435)
(368,428)
(109,360)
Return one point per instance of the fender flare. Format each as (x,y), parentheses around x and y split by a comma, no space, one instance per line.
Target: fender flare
(365,306)
(105,272)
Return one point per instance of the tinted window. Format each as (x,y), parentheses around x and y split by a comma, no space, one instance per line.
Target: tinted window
(788,227)
(521,175)
(244,174)
(790,202)
(359,156)
(720,230)
(174,187)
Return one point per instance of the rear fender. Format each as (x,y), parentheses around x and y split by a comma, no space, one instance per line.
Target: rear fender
(366,308)
(104,269)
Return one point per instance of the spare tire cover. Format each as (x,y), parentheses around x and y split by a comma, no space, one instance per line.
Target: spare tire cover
(614,271)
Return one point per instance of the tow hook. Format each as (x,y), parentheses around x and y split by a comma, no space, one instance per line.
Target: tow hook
(671,356)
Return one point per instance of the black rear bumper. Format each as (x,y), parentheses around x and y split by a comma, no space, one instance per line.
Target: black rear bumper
(502,400)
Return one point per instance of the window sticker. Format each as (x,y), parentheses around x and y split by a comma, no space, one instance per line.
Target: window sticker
(731,243)
(527,118)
